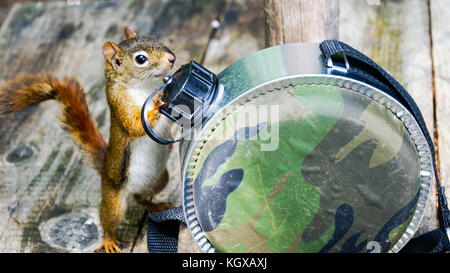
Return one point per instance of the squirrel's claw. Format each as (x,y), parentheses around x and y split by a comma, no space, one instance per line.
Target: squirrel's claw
(157,101)
(154,114)
(110,246)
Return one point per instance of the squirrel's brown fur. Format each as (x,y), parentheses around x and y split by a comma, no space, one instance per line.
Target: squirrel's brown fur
(130,163)
(27,90)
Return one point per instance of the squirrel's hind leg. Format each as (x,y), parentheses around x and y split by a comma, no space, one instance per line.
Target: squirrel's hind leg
(111,212)
(146,201)
(152,207)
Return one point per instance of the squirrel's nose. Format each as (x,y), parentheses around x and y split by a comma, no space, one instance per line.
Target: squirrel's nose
(171,58)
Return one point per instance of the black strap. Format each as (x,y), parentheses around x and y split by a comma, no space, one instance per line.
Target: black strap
(435,241)
(162,230)
(363,68)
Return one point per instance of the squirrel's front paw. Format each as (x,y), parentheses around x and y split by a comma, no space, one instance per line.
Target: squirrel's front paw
(110,246)
(158,101)
(153,116)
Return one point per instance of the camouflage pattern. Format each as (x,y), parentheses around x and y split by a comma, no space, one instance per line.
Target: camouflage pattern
(345,172)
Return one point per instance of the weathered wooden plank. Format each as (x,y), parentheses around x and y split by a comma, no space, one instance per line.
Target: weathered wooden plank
(300,21)
(6,5)
(240,34)
(34,180)
(42,175)
(440,33)
(395,34)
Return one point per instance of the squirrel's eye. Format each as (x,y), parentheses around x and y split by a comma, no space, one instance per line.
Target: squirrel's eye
(141,59)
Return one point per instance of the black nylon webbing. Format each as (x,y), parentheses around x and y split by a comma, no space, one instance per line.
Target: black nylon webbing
(162,230)
(388,84)
(435,241)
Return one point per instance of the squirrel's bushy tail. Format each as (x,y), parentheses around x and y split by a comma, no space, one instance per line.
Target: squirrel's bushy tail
(26,90)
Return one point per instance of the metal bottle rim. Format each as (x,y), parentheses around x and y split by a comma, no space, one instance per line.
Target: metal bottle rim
(408,120)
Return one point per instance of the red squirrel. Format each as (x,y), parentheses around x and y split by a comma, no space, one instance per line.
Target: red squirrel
(130,163)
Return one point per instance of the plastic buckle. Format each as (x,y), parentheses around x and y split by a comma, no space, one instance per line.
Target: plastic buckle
(337,64)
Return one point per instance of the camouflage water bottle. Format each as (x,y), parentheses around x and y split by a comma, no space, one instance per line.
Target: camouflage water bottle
(299,157)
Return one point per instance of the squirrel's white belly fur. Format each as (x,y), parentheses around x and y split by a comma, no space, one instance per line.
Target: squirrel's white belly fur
(147,158)
(147,163)
(139,94)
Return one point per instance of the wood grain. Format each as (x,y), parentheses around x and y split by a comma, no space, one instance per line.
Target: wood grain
(300,21)
(241,33)
(42,174)
(440,33)
(395,34)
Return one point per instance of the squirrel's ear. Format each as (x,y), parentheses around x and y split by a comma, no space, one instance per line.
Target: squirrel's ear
(129,33)
(110,51)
